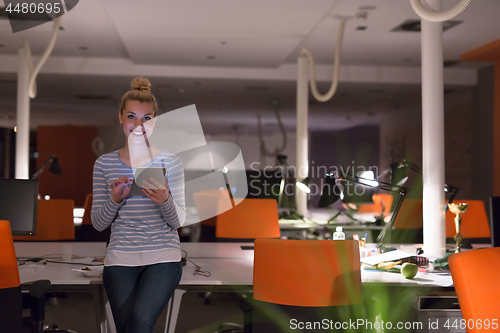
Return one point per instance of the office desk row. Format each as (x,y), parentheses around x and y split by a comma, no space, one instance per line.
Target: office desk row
(230,265)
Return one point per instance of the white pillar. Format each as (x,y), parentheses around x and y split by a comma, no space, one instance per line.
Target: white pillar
(433,136)
(302,133)
(23,117)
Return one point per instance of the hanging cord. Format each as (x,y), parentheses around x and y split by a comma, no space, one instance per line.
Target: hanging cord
(45,55)
(336,66)
(439,16)
(277,151)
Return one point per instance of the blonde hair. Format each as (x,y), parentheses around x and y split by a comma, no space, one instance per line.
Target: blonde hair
(141,91)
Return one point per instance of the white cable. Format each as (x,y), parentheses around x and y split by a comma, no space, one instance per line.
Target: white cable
(45,55)
(336,66)
(439,16)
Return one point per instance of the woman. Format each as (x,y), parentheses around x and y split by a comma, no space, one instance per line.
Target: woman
(142,266)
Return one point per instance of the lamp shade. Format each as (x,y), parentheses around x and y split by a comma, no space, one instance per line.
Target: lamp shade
(330,192)
(304,185)
(55,168)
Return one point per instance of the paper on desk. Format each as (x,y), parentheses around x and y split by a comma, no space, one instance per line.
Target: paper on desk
(388,256)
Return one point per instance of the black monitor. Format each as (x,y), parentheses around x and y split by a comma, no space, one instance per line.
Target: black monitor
(495,221)
(18,204)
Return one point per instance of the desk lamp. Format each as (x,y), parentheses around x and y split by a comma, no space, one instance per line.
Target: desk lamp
(401,170)
(54,167)
(331,193)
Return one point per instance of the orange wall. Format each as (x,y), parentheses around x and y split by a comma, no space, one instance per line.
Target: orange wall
(72,146)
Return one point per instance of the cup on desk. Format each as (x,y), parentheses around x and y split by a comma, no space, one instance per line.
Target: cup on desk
(67,252)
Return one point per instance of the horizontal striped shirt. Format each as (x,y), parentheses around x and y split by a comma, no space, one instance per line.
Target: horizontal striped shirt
(142,232)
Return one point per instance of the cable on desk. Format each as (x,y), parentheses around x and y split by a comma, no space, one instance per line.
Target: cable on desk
(198,271)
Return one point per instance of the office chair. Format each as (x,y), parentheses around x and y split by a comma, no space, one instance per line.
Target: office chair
(382,203)
(54,221)
(408,226)
(475,276)
(207,205)
(250,219)
(86,231)
(307,280)
(11,316)
(475,223)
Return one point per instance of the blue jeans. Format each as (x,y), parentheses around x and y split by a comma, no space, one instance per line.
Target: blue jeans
(139,294)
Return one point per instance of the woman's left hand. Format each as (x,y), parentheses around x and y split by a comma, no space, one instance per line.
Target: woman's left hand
(155,191)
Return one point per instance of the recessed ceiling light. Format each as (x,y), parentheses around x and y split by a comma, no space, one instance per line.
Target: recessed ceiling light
(413,25)
(211,57)
(83,48)
(367,8)
(223,42)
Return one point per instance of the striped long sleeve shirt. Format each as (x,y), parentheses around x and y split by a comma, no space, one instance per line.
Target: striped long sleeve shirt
(142,232)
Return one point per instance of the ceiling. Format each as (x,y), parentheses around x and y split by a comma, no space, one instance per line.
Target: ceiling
(233,58)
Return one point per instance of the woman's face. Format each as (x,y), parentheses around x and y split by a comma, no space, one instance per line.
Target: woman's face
(134,115)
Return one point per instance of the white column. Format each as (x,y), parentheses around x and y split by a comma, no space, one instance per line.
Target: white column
(302,133)
(433,136)
(23,118)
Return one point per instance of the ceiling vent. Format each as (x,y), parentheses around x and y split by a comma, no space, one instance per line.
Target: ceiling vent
(413,25)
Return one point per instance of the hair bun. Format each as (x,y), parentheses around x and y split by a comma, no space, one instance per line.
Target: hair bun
(141,83)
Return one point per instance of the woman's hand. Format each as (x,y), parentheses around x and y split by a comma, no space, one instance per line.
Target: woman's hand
(120,189)
(155,191)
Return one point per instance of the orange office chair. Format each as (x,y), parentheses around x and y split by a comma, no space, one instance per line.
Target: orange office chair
(11,316)
(475,223)
(207,205)
(382,202)
(87,209)
(54,221)
(250,219)
(301,279)
(475,276)
(408,226)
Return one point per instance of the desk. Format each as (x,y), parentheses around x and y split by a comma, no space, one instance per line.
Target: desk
(231,270)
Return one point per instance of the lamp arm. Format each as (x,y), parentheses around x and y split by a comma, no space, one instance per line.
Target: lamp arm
(389,225)
(39,171)
(454,191)
(336,67)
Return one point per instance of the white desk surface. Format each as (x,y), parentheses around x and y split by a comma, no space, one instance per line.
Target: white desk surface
(227,262)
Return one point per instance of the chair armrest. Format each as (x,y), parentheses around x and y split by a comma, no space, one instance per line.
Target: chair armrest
(37,293)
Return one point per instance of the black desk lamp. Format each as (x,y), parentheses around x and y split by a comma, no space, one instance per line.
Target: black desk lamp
(331,193)
(54,167)
(408,165)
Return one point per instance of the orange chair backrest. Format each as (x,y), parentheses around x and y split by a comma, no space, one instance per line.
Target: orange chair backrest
(381,201)
(475,276)
(9,272)
(307,272)
(251,218)
(475,223)
(87,210)
(207,204)
(411,215)
(54,221)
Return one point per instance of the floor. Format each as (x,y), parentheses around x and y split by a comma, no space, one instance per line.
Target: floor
(76,312)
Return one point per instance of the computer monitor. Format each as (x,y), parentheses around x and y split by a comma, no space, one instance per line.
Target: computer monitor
(18,204)
(495,221)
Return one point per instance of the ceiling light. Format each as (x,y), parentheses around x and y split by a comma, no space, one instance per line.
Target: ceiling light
(413,25)
(211,57)
(367,8)
(361,27)
(223,43)
(83,48)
